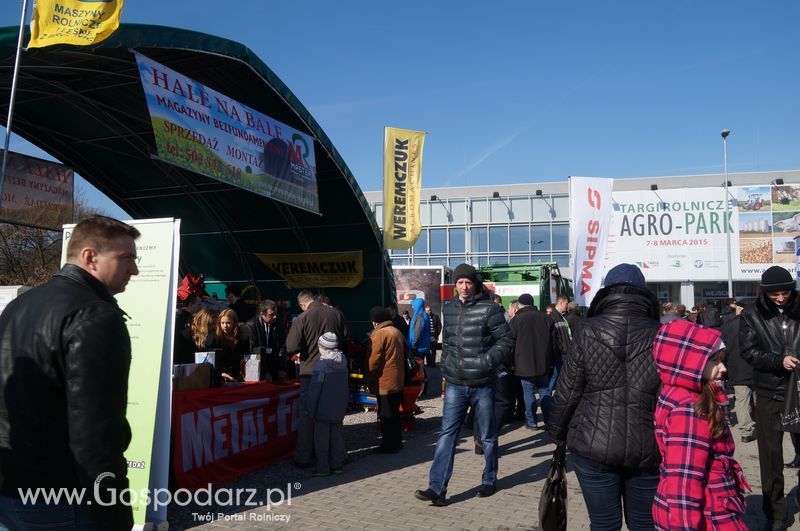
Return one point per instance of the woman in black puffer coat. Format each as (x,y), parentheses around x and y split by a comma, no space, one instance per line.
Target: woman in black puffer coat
(605,399)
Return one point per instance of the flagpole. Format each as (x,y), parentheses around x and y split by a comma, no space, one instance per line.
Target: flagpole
(13,93)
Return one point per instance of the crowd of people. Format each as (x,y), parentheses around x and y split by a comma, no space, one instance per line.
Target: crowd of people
(637,391)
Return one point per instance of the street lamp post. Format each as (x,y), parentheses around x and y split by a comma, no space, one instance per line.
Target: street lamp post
(725,133)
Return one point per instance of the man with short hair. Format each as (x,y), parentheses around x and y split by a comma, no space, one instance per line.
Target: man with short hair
(65,354)
(301,342)
(265,336)
(476,343)
(573,316)
(533,357)
(769,339)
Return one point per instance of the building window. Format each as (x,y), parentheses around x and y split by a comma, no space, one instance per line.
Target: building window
(457,243)
(421,247)
(438,238)
(540,238)
(455,261)
(480,211)
(399,261)
(560,237)
(541,209)
(500,259)
(561,208)
(521,206)
(562,260)
(500,212)
(438,261)
(519,239)
(400,252)
(458,210)
(519,259)
(440,215)
(425,213)
(498,239)
(480,240)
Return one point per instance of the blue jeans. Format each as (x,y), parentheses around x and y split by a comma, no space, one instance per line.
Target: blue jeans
(530,386)
(556,370)
(456,400)
(16,516)
(604,489)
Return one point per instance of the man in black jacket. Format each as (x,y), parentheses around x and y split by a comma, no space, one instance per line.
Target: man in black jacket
(64,360)
(605,401)
(769,337)
(476,343)
(740,373)
(533,357)
(265,336)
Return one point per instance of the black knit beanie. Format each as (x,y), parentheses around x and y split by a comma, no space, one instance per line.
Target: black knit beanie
(468,272)
(776,278)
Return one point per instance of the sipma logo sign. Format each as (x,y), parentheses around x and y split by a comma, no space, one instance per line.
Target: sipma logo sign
(698,264)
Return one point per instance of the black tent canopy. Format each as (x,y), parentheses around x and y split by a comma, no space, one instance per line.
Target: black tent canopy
(86,107)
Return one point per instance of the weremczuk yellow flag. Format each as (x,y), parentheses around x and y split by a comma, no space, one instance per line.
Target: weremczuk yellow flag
(402,186)
(80,22)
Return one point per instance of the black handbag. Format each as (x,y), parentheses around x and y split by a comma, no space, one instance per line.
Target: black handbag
(410,367)
(790,418)
(553,503)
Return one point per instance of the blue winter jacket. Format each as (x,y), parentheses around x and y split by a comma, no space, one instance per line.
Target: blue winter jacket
(419,333)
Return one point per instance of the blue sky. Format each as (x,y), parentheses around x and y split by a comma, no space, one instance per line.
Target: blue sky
(525,91)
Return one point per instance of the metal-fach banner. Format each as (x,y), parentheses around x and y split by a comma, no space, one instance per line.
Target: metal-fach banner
(402,186)
(681,234)
(590,209)
(36,193)
(204,131)
(73,21)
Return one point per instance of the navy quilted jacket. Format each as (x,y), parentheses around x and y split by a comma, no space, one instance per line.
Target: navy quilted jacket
(606,395)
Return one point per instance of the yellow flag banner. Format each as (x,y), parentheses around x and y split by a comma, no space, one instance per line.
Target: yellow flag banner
(80,22)
(317,270)
(402,186)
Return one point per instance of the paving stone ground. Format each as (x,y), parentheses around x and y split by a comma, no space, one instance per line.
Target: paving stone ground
(376,491)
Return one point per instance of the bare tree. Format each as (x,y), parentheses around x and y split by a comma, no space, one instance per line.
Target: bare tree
(30,256)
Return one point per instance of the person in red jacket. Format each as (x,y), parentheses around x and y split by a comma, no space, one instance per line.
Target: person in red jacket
(701,485)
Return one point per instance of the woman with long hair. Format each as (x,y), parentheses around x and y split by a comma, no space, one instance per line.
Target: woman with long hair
(227,339)
(201,329)
(701,485)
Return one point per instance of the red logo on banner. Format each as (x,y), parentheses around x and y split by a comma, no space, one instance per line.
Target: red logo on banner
(221,434)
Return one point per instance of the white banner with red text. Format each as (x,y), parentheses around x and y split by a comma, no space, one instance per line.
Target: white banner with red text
(590,215)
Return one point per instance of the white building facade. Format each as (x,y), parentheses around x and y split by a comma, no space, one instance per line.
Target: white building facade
(672,227)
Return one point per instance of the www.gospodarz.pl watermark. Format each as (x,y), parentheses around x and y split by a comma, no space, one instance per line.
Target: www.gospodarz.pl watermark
(204,497)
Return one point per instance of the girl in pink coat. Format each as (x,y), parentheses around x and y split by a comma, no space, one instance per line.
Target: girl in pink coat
(701,486)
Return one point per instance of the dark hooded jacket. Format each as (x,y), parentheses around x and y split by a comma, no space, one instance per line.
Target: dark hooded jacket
(476,340)
(766,335)
(65,354)
(606,395)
